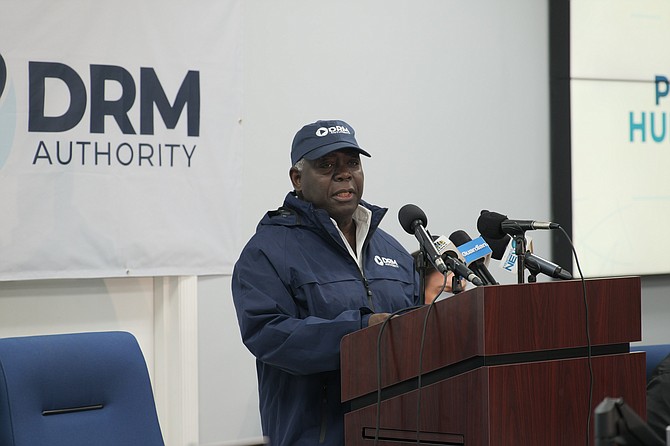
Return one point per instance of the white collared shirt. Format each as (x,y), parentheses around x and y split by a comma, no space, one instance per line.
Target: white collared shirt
(361,217)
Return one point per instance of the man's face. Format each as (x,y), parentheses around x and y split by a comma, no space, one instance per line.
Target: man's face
(434,283)
(333,182)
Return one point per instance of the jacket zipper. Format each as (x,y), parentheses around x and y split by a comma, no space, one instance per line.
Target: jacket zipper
(366,284)
(368,291)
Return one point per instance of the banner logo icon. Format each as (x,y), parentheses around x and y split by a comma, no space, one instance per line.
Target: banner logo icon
(3,75)
(7,113)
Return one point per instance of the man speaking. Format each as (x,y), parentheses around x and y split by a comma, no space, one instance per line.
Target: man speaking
(317,269)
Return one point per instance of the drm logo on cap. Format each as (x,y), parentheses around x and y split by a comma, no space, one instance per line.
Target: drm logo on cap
(323,131)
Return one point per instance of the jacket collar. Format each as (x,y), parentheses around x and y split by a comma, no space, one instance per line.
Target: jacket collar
(297,212)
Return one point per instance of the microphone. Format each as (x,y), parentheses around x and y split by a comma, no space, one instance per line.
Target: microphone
(495,225)
(477,254)
(445,246)
(498,245)
(536,264)
(414,221)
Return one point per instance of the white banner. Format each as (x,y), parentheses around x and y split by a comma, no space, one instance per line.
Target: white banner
(119,137)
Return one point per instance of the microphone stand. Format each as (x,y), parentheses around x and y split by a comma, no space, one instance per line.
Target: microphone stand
(421,269)
(520,251)
(456,284)
(421,266)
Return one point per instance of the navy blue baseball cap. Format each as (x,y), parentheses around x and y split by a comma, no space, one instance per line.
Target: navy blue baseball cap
(322,137)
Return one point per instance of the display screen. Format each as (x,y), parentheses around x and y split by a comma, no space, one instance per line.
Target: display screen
(619,142)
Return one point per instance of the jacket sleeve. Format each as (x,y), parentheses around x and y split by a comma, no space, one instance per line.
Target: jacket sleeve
(270,324)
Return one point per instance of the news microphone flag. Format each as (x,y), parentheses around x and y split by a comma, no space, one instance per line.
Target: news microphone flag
(508,262)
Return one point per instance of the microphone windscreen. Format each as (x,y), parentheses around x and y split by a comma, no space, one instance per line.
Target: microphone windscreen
(489,225)
(498,246)
(410,215)
(460,237)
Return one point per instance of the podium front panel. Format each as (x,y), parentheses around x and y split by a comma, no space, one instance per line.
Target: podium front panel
(545,403)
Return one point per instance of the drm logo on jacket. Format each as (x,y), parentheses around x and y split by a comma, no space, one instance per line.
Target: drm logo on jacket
(383,261)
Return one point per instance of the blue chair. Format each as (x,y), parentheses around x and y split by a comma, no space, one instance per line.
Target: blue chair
(655,354)
(80,389)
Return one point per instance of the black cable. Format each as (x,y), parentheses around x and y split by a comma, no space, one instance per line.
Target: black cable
(588,338)
(379,366)
(418,382)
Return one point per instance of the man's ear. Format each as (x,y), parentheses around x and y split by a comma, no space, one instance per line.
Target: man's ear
(296,178)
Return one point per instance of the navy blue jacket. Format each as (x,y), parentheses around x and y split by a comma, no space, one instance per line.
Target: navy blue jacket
(658,398)
(297,292)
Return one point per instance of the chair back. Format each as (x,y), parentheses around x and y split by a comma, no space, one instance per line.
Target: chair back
(79,389)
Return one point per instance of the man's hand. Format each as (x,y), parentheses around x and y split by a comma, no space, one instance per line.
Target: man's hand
(377,318)
(450,281)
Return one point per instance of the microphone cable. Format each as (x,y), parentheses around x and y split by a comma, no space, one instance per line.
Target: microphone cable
(379,363)
(379,366)
(423,338)
(588,337)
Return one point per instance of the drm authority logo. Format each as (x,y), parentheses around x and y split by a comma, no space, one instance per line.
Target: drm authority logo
(383,261)
(3,75)
(7,113)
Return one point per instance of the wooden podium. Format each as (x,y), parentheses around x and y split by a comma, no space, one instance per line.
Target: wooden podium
(502,365)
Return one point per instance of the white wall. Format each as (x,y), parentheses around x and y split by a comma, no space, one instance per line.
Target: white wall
(447,96)
(228,395)
(65,306)
(655,310)
(452,100)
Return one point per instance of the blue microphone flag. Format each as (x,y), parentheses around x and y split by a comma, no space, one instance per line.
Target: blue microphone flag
(474,250)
